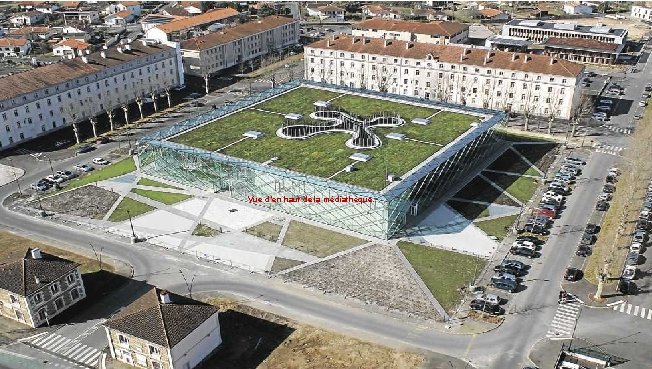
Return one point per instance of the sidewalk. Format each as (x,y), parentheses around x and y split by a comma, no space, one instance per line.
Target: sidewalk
(584,290)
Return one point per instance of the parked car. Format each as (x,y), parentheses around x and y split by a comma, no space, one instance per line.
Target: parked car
(41,185)
(103,140)
(535,240)
(85,148)
(642,103)
(629,272)
(604,108)
(514,264)
(100,161)
(587,239)
(627,287)
(640,236)
(505,284)
(576,160)
(637,117)
(523,251)
(534,229)
(489,298)
(632,258)
(66,174)
(573,274)
(53,178)
(503,275)
(605,196)
(602,205)
(609,188)
(583,250)
(483,306)
(635,247)
(83,167)
(545,212)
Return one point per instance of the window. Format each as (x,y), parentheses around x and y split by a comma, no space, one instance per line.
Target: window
(58,303)
(561,92)
(13,299)
(154,351)
(123,340)
(549,89)
(156,365)
(42,315)
(54,288)
(537,87)
(19,315)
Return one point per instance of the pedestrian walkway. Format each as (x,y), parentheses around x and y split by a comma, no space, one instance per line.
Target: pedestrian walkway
(607,149)
(563,324)
(636,310)
(625,131)
(65,347)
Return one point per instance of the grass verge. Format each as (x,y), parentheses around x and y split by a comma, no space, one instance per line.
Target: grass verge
(443,272)
(119,168)
(281,264)
(168,198)
(318,241)
(129,207)
(203,230)
(267,230)
(520,187)
(497,227)
(153,183)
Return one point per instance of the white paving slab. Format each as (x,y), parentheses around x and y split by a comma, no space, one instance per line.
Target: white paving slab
(164,221)
(496,209)
(8,174)
(448,229)
(221,212)
(243,259)
(193,206)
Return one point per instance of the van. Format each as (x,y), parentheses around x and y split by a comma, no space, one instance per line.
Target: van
(606,101)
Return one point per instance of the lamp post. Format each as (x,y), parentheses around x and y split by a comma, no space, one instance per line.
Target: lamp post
(134,239)
(13,171)
(98,256)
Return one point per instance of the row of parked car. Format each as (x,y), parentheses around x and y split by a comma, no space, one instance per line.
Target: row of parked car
(637,244)
(62,176)
(509,273)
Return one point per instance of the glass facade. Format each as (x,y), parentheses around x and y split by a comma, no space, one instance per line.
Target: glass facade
(375,213)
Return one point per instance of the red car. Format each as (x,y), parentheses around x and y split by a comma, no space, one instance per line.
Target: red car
(548,213)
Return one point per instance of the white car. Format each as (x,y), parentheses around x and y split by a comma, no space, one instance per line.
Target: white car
(629,272)
(605,196)
(55,178)
(642,103)
(527,244)
(635,247)
(100,161)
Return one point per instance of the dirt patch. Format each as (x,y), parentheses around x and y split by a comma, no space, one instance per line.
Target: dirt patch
(87,201)
(267,230)
(483,317)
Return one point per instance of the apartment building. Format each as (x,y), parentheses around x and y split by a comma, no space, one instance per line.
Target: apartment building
(38,287)
(522,83)
(36,102)
(438,33)
(211,53)
(163,331)
(643,13)
(183,29)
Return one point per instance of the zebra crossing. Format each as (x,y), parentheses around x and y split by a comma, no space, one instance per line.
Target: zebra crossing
(34,154)
(607,149)
(636,310)
(625,131)
(563,324)
(71,349)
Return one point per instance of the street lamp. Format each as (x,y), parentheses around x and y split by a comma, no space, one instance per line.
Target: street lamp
(133,233)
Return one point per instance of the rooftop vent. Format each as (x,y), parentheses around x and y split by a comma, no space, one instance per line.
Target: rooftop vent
(127,47)
(164,296)
(253,134)
(358,156)
(36,253)
(293,116)
(526,58)
(553,61)
(103,54)
(514,56)
(387,42)
(119,49)
(105,47)
(321,104)
(408,45)
(421,121)
(395,136)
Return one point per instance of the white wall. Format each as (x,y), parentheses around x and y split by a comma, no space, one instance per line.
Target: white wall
(197,345)
(156,34)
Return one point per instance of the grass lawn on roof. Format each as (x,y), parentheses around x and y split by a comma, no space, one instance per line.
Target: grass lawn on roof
(324,155)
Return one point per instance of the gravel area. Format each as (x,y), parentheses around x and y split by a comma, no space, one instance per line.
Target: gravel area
(373,275)
(87,201)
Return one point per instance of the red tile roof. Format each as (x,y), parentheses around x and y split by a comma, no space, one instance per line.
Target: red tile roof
(42,77)
(73,43)
(441,28)
(452,53)
(124,13)
(28,30)
(229,34)
(581,43)
(198,20)
(490,13)
(12,42)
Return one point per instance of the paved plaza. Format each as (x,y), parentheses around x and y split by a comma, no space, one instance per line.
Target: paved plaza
(9,174)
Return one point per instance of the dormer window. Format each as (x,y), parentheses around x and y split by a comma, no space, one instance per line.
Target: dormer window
(54,288)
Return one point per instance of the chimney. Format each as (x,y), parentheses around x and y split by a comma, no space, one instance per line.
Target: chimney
(553,61)
(36,253)
(467,50)
(119,49)
(103,54)
(387,42)
(84,59)
(104,47)
(486,57)
(164,296)
(408,45)
(37,280)
(87,51)
(127,47)
(353,40)
(525,58)
(514,56)
(80,52)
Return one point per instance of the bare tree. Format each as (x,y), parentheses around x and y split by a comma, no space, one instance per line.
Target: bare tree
(168,95)
(140,94)
(553,103)
(383,78)
(69,111)
(125,110)
(527,108)
(110,112)
(584,107)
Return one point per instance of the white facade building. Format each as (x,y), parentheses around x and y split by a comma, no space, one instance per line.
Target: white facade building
(441,32)
(539,31)
(42,100)
(10,47)
(28,19)
(577,9)
(522,83)
(642,12)
(211,53)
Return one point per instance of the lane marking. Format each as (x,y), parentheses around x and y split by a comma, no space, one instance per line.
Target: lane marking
(468,347)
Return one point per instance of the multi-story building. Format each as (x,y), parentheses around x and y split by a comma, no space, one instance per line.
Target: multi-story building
(522,83)
(38,101)
(642,12)
(14,47)
(183,29)
(81,16)
(28,18)
(586,44)
(211,53)
(38,287)
(163,331)
(326,11)
(69,47)
(441,32)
